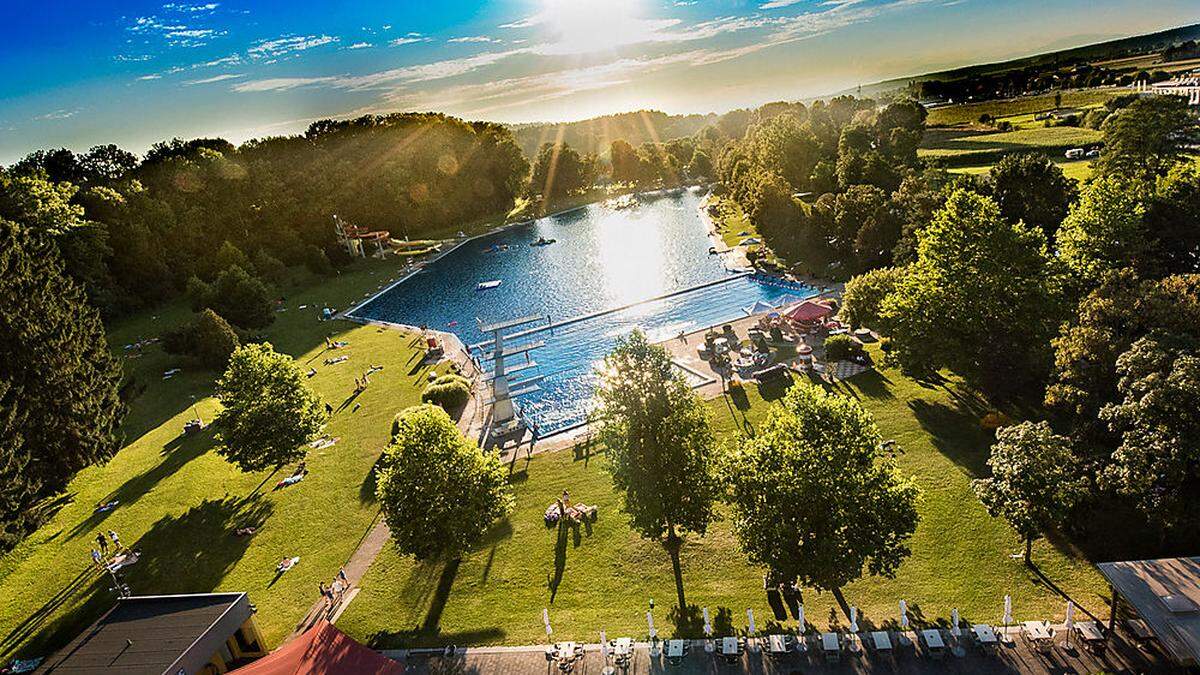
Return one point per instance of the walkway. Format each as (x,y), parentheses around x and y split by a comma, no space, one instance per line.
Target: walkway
(1015,657)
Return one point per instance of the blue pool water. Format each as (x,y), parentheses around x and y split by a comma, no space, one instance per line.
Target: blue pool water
(602,259)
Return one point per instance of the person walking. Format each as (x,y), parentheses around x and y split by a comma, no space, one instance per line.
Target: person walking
(103,544)
(97,559)
(324,592)
(341,575)
(116,540)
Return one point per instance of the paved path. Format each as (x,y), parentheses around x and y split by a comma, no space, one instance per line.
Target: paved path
(1015,657)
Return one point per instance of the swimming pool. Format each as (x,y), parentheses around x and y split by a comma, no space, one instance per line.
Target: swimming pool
(606,273)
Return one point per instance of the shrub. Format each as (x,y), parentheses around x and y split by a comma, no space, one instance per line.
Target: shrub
(209,339)
(197,293)
(841,348)
(448,391)
(241,298)
(864,295)
(269,267)
(317,262)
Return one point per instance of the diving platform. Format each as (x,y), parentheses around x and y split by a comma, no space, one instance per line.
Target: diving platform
(515,350)
(508,370)
(511,323)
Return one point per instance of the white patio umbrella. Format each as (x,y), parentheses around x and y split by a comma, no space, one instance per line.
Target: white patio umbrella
(604,646)
(750,619)
(707,624)
(800,617)
(1070,623)
(546,620)
(954,629)
(1007,615)
(650,623)
(903,615)
(853,619)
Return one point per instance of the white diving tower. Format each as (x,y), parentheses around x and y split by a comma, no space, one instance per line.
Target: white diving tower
(506,419)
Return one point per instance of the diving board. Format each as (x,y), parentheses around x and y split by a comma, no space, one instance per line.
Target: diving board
(514,351)
(512,323)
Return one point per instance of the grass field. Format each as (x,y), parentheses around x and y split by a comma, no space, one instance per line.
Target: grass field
(602,577)
(180,501)
(966,147)
(1079,170)
(968,113)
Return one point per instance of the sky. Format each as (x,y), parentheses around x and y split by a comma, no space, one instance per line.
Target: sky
(79,73)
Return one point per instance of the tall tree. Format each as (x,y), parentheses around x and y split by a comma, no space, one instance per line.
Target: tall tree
(1147,138)
(268,414)
(813,496)
(58,379)
(1030,188)
(660,448)
(1157,419)
(439,493)
(1033,483)
(559,171)
(981,299)
(1105,229)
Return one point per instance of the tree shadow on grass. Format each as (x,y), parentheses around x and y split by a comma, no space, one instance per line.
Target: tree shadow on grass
(956,433)
(560,559)
(190,553)
(871,384)
(193,552)
(688,623)
(176,454)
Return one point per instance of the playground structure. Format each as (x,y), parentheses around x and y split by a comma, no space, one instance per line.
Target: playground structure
(356,240)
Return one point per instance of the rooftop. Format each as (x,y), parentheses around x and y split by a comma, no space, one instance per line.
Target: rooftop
(155,634)
(1165,593)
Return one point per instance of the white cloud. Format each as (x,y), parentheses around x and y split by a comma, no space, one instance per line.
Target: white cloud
(288,45)
(280,84)
(359,45)
(411,38)
(216,78)
(151,76)
(472,38)
(60,114)
(190,9)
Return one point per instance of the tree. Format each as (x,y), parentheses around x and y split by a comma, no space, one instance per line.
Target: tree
(439,493)
(1033,482)
(269,414)
(865,293)
(1030,188)
(58,380)
(1104,230)
(228,256)
(208,338)
(241,298)
(558,171)
(1147,138)
(660,448)
(1158,421)
(626,165)
(814,498)
(701,165)
(981,299)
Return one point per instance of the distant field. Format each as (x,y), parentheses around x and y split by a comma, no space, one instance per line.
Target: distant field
(1079,170)
(966,113)
(966,147)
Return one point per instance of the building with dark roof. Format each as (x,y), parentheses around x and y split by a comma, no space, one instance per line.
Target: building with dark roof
(200,634)
(1165,595)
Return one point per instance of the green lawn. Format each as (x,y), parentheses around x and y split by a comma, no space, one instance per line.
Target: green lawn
(1080,170)
(968,113)
(602,577)
(180,502)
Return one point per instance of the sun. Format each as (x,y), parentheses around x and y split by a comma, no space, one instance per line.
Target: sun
(584,26)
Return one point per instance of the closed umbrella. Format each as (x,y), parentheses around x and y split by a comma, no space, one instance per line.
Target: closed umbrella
(546,620)
(750,619)
(1007,614)
(903,615)
(954,629)
(604,646)
(800,618)
(853,619)
(650,623)
(707,624)
(1070,620)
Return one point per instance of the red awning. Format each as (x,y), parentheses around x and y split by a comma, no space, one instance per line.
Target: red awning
(808,311)
(326,650)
